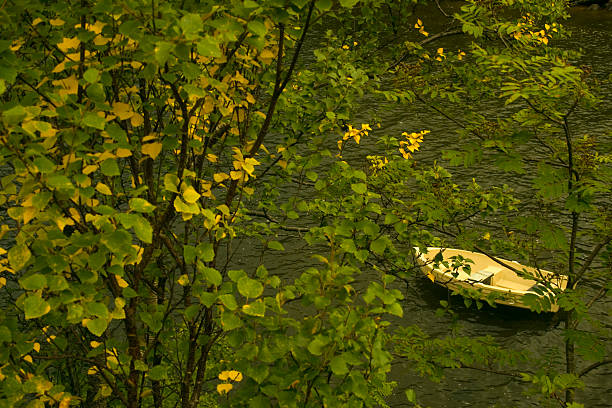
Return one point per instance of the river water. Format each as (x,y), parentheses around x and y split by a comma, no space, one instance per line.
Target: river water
(511,327)
(519,329)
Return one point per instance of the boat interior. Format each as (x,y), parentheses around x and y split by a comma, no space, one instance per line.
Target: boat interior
(489,272)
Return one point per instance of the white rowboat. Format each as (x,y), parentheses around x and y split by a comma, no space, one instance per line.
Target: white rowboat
(492,280)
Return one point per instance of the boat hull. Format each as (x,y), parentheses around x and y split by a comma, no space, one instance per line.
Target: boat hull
(493,280)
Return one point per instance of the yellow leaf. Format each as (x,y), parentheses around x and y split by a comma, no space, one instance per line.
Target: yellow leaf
(121,282)
(224,209)
(36,347)
(70,85)
(90,169)
(211,158)
(220,177)
(152,149)
(28,214)
(111,361)
(231,375)
(94,344)
(190,195)
(123,152)
(267,55)
(122,110)
(92,371)
(37,21)
(74,56)
(28,358)
(137,120)
(65,402)
(208,106)
(487,236)
(96,27)
(56,22)
(69,43)
(224,388)
(100,40)
(183,280)
(103,188)
(74,213)
(2,282)
(236,175)
(431,276)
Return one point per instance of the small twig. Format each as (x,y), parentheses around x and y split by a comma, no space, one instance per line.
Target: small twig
(424,42)
(593,366)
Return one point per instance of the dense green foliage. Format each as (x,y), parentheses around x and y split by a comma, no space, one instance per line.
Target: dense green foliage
(142,142)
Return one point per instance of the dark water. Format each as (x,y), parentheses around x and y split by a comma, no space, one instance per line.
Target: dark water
(512,328)
(518,329)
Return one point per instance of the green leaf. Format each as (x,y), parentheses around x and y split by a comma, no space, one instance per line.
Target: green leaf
(141,205)
(276,245)
(348,3)
(35,306)
(249,288)
(324,5)
(5,335)
(33,282)
(118,241)
(229,321)
(207,298)
(257,28)
(110,168)
(229,301)
(93,120)
(91,75)
(258,372)
(410,395)
(211,275)
(395,309)
(140,365)
(189,253)
(162,51)
(14,115)
(60,182)
(317,345)
(205,251)
(191,24)
(97,309)
(338,365)
(378,246)
(96,92)
(97,326)
(18,256)
(257,308)
(44,165)
(236,274)
(143,229)
(209,47)
(158,373)
(359,188)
